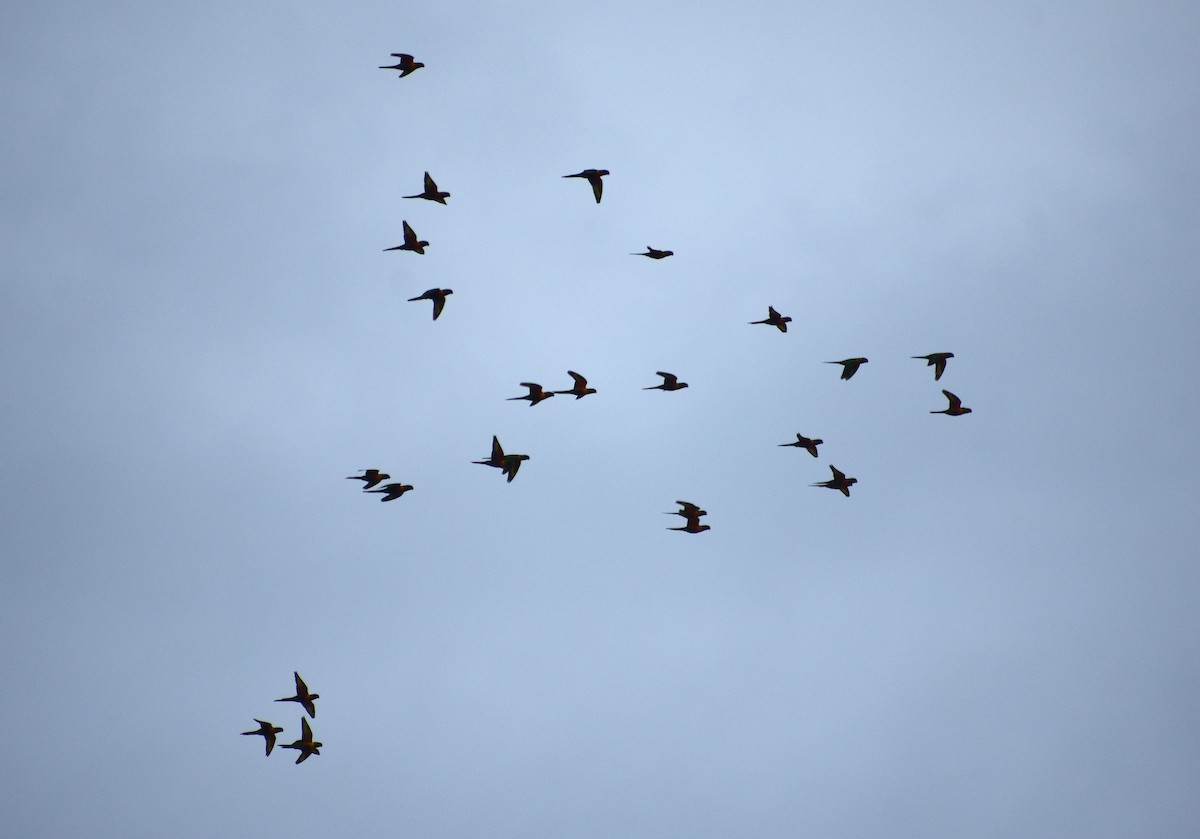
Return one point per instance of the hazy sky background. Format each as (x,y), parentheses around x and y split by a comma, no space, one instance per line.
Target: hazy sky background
(995,636)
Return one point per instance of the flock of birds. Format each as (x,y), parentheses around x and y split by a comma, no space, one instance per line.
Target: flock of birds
(306,745)
(509,463)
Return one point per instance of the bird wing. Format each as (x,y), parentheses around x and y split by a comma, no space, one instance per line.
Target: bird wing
(580,381)
(597,186)
(430,186)
(668,378)
(439,303)
(939,367)
(497,451)
(838,475)
(410,237)
(305,731)
(955,402)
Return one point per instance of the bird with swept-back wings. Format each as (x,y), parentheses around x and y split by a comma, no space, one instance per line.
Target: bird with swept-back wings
(593,177)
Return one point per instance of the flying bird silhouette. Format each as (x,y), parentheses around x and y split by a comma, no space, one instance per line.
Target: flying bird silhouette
(774,319)
(268,733)
(305,745)
(807,443)
(411,242)
(937,361)
(303,696)
(437,295)
(849,366)
(580,389)
(535,395)
(431,192)
(653,253)
(393,491)
(406,65)
(370,477)
(839,482)
(670,382)
(593,177)
(955,409)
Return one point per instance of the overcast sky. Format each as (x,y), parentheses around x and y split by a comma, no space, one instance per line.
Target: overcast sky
(994,636)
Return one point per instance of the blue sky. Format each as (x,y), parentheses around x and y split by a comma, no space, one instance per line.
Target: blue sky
(994,636)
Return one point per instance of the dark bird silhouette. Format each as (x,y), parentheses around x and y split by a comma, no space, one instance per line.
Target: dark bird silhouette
(410,242)
(393,491)
(955,409)
(775,319)
(437,295)
(654,253)
(849,366)
(580,389)
(670,382)
(936,360)
(303,696)
(535,395)
(431,192)
(693,525)
(593,177)
(370,477)
(687,509)
(406,65)
(839,482)
(305,745)
(803,442)
(268,733)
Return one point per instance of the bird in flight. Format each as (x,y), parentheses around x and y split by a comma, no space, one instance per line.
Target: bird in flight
(849,366)
(305,745)
(687,509)
(406,65)
(593,177)
(775,319)
(937,361)
(268,733)
(535,395)
(693,524)
(431,192)
(670,382)
(393,491)
(580,389)
(955,408)
(839,482)
(807,443)
(437,295)
(653,253)
(369,477)
(303,696)
(410,242)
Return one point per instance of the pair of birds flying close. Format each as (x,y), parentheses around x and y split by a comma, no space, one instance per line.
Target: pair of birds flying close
(372,477)
(536,394)
(508,464)
(691,514)
(306,745)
